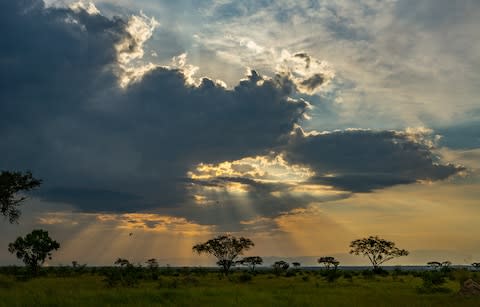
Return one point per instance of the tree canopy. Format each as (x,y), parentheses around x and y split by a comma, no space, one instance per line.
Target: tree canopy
(251,262)
(280,266)
(328,262)
(226,248)
(34,248)
(377,250)
(10,184)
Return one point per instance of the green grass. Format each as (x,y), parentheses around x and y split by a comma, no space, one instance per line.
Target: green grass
(209,290)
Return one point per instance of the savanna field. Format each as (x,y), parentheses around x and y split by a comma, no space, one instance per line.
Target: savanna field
(64,286)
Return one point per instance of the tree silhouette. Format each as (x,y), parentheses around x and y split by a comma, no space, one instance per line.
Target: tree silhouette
(226,248)
(296,265)
(251,262)
(34,248)
(377,250)
(328,262)
(476,265)
(279,266)
(123,262)
(152,264)
(434,264)
(10,184)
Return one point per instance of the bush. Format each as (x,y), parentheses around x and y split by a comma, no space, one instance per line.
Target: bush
(127,276)
(380,272)
(290,273)
(368,274)
(460,275)
(331,275)
(432,283)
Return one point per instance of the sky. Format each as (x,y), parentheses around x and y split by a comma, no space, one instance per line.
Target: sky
(302,125)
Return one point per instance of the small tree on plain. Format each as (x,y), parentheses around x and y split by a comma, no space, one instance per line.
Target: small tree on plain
(280,266)
(34,248)
(296,265)
(226,248)
(329,262)
(476,265)
(123,263)
(10,184)
(152,264)
(251,262)
(446,266)
(443,266)
(434,265)
(377,250)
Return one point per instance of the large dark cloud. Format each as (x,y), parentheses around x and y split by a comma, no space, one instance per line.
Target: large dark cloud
(103,148)
(363,160)
(64,116)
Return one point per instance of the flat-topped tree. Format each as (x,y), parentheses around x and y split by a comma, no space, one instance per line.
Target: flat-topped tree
(377,250)
(251,262)
(226,248)
(329,262)
(123,263)
(11,183)
(434,264)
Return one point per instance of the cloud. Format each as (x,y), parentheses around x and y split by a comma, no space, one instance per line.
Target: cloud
(363,160)
(101,146)
(110,132)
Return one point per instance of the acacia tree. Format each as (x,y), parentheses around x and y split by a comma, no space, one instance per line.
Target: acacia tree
(152,264)
(251,262)
(328,262)
(226,248)
(280,266)
(476,265)
(434,264)
(10,184)
(123,263)
(377,250)
(34,248)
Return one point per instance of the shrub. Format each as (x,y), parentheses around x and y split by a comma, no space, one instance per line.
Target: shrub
(127,276)
(332,275)
(460,275)
(368,274)
(432,283)
(290,273)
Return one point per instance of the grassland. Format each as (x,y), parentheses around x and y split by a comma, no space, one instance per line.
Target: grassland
(190,288)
